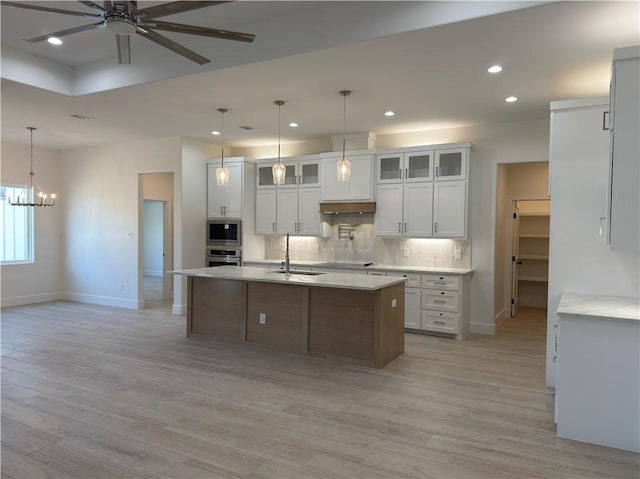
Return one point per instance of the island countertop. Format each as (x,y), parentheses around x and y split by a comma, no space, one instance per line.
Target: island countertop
(327,280)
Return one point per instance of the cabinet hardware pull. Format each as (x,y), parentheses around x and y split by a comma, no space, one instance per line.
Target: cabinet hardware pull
(273,226)
(221,211)
(437,171)
(556,343)
(436,226)
(605,120)
(439,322)
(399,227)
(400,173)
(406,173)
(405,226)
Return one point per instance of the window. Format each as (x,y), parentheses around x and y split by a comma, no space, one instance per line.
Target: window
(16,237)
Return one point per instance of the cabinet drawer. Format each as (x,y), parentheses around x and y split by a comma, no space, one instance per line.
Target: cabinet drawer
(441,281)
(413,280)
(440,300)
(443,322)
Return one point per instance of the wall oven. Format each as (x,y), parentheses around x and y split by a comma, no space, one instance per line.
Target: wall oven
(223,256)
(224,233)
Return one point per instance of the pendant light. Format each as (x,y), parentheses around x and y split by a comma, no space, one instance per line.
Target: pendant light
(279,170)
(43,198)
(344,165)
(222,172)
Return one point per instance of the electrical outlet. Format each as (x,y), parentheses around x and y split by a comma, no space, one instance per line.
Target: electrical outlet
(263,318)
(394,302)
(129,234)
(405,251)
(458,253)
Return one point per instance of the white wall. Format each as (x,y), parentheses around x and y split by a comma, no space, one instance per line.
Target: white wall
(579,259)
(153,237)
(41,280)
(101,217)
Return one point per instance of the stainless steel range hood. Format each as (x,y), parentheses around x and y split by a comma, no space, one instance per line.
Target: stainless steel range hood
(341,207)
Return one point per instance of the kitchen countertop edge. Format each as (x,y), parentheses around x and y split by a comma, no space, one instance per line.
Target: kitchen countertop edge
(599,306)
(374,267)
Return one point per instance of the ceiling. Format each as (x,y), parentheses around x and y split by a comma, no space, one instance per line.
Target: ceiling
(427,61)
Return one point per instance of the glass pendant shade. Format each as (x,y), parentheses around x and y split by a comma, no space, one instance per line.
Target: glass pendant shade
(222,175)
(344,169)
(278,169)
(222,172)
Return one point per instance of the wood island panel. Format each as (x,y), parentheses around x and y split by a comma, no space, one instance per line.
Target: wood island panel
(391,328)
(341,323)
(284,307)
(217,307)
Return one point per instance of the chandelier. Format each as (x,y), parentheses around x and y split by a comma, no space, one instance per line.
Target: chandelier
(33,199)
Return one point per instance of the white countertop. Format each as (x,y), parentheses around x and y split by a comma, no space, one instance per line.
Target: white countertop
(598,306)
(362,267)
(326,280)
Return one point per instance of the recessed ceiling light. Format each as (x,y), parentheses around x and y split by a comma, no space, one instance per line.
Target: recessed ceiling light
(495,69)
(54,41)
(511,99)
(389,113)
(215,132)
(293,124)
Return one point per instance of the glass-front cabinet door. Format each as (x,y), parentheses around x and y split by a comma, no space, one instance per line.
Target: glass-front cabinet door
(309,173)
(418,166)
(265,174)
(389,168)
(451,164)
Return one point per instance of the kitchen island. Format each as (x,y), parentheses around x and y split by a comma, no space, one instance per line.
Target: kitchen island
(326,314)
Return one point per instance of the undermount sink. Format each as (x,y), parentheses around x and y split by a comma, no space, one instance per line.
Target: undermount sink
(306,273)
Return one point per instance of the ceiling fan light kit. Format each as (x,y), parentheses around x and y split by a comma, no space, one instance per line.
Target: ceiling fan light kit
(33,200)
(124,19)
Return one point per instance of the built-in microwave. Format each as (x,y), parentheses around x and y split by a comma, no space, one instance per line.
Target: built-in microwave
(224,233)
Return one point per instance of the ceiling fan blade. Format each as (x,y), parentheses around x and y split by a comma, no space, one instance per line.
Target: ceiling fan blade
(171,45)
(49,9)
(69,31)
(123,49)
(194,30)
(94,6)
(172,8)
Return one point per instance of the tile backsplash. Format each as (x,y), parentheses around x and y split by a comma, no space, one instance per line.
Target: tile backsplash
(365,247)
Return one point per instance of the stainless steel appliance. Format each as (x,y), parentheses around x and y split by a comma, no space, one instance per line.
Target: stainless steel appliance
(224,233)
(224,256)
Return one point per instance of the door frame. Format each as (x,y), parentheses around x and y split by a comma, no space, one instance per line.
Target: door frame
(508,250)
(167,233)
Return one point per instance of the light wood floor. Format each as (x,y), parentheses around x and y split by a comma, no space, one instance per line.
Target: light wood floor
(153,294)
(99,392)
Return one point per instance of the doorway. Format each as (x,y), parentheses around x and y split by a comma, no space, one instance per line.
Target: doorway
(522,236)
(155,284)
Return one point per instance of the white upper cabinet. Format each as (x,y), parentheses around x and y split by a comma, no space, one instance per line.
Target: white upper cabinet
(418,211)
(388,217)
(225,201)
(624,147)
(266,211)
(404,167)
(450,209)
(359,186)
(292,207)
(451,164)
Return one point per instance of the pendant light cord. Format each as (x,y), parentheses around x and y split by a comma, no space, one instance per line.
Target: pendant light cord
(222,112)
(279,103)
(344,94)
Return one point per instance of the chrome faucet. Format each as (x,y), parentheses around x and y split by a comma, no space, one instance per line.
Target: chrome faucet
(287,266)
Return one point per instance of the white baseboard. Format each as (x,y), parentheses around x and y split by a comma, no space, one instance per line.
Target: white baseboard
(483,328)
(499,318)
(30,299)
(179,309)
(103,300)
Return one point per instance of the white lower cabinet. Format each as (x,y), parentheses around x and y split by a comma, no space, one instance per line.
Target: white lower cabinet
(437,303)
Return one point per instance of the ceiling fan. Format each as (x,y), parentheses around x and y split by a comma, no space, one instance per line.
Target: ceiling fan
(124,18)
